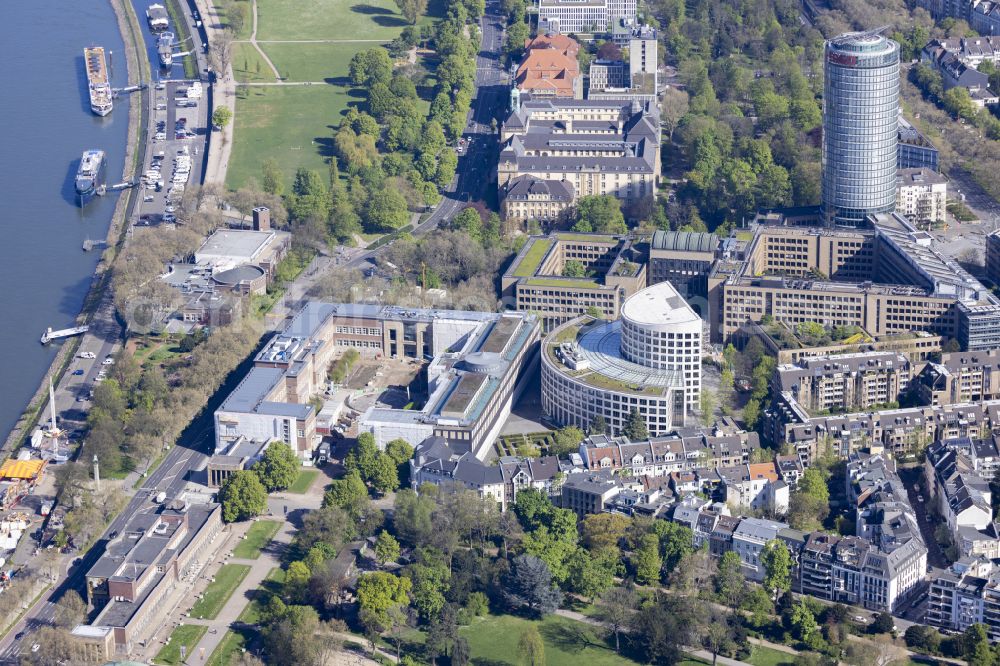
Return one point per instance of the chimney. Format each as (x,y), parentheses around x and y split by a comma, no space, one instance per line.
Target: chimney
(261,218)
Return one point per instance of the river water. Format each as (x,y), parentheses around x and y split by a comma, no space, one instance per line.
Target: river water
(45,110)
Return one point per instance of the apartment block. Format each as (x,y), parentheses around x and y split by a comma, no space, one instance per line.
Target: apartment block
(960,377)
(598,146)
(962,497)
(967,593)
(845,382)
(537,281)
(922,196)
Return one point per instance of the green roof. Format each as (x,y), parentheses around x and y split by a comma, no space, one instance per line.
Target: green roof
(596,238)
(532,258)
(562,282)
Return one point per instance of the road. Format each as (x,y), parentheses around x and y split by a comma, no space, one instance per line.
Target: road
(472,180)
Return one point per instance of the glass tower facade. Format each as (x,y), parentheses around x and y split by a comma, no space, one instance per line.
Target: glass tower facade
(860,125)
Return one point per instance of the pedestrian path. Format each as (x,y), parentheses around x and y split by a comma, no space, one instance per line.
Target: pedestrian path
(223,94)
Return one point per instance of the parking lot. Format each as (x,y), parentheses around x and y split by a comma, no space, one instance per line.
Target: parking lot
(174,156)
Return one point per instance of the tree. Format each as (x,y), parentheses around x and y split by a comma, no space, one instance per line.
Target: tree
(399,450)
(804,624)
(615,608)
(574,269)
(646,560)
(242,496)
(461,654)
(370,66)
(70,610)
(591,573)
(599,214)
(431,578)
(386,548)
(386,211)
(566,440)
(924,638)
(664,626)
(751,413)
(882,623)
(810,503)
(364,457)
(707,406)
(296,584)
(676,542)
(221,116)
(777,562)
(529,585)
(603,530)
(598,426)
(272,179)
(385,475)
(673,107)
(379,593)
(349,493)
(291,639)
(278,467)
(730,583)
(412,9)
(635,427)
(531,648)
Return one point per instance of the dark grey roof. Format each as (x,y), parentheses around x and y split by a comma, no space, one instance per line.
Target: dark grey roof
(689,241)
(244,273)
(523,187)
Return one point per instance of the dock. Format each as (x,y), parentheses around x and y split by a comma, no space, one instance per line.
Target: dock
(49,335)
(130,89)
(89,244)
(101,191)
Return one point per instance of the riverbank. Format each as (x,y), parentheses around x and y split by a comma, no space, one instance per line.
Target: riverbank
(136,65)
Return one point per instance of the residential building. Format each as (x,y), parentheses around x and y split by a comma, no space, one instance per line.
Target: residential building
(755,486)
(958,59)
(589,493)
(915,150)
(684,451)
(438,463)
(967,593)
(845,382)
(861,80)
(158,549)
(962,497)
(583,16)
(598,146)
(541,279)
(922,196)
(749,539)
(959,377)
(984,18)
(648,361)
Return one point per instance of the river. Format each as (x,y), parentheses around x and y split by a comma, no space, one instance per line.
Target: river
(44,273)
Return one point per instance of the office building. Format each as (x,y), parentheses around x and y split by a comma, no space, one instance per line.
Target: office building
(915,150)
(860,110)
(845,382)
(684,259)
(539,281)
(993,258)
(596,146)
(634,79)
(922,197)
(157,550)
(583,16)
(648,361)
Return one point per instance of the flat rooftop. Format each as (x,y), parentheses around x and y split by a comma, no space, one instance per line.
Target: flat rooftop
(659,305)
(236,243)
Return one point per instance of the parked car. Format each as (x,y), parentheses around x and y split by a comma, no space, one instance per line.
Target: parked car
(77,373)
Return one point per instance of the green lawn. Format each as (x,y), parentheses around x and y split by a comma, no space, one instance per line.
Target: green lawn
(271,583)
(313,62)
(328,19)
(493,640)
(303,481)
(225,653)
(218,592)
(244,32)
(765,656)
(294,125)
(258,536)
(248,66)
(187,635)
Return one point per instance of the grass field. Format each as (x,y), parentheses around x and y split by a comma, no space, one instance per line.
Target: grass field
(225,653)
(187,635)
(258,536)
(314,62)
(218,592)
(328,19)
(765,656)
(293,125)
(567,643)
(248,66)
(271,583)
(303,481)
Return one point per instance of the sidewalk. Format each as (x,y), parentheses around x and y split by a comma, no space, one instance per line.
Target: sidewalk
(223,94)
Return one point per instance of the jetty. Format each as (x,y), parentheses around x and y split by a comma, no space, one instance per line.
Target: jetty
(49,335)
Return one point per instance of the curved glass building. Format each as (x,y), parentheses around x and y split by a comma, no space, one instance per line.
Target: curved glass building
(860,121)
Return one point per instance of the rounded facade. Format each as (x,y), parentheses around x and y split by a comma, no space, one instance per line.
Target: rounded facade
(649,360)
(860,123)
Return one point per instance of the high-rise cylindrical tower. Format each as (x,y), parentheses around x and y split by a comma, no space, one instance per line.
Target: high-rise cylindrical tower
(860,122)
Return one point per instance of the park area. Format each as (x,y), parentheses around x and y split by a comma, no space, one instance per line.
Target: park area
(227,579)
(180,644)
(292,118)
(258,536)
